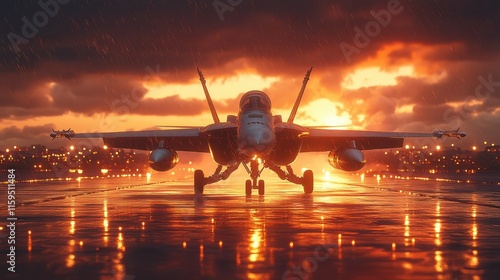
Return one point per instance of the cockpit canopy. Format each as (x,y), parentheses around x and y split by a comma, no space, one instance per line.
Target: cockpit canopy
(255,100)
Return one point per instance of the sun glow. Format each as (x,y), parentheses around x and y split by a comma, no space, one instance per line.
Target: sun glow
(220,88)
(375,76)
(324,112)
(405,109)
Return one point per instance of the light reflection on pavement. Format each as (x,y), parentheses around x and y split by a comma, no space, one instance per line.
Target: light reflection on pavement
(348,229)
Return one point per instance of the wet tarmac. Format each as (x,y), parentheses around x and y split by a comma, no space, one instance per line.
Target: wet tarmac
(352,227)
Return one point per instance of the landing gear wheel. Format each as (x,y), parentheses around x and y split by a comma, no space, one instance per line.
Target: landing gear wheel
(199,181)
(308,181)
(261,187)
(248,187)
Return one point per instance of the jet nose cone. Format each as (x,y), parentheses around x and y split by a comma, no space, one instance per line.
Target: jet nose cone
(258,144)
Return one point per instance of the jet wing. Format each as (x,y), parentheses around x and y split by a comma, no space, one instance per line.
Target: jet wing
(320,140)
(178,139)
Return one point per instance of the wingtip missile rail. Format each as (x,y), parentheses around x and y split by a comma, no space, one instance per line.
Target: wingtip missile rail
(68,134)
(449,133)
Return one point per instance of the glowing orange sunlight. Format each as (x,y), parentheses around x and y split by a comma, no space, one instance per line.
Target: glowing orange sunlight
(220,87)
(375,76)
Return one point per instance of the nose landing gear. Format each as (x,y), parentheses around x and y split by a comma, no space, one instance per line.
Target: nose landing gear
(254,183)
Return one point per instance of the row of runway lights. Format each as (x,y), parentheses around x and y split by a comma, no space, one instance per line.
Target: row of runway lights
(184,243)
(379,178)
(327,178)
(220,243)
(147,175)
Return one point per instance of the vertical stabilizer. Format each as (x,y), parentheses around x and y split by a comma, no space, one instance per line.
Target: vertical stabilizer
(299,97)
(209,100)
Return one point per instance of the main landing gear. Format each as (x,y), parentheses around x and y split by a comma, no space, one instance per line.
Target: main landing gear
(200,180)
(307,179)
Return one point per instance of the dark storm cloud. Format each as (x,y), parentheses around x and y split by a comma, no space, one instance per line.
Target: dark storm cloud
(126,35)
(30,132)
(100,94)
(97,51)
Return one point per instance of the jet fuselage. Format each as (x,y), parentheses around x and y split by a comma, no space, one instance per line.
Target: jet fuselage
(256,135)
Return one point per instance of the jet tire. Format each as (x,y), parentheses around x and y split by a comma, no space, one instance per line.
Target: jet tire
(261,187)
(308,181)
(248,187)
(199,181)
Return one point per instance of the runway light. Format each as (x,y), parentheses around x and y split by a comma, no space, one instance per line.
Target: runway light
(393,246)
(220,244)
(1,228)
(119,228)
(291,244)
(184,244)
(322,218)
(29,231)
(81,243)
(213,220)
(353,242)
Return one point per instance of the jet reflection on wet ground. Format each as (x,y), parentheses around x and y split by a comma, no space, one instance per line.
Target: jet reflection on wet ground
(349,228)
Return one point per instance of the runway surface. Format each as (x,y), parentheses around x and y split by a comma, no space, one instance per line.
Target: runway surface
(351,227)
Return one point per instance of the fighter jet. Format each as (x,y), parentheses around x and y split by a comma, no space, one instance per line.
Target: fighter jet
(255,139)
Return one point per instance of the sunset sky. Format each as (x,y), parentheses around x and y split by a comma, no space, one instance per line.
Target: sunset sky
(131,65)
